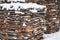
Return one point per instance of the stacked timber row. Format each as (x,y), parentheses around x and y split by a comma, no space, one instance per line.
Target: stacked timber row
(52,16)
(20,23)
(28,23)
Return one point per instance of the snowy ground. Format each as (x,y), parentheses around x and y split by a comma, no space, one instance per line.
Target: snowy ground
(52,36)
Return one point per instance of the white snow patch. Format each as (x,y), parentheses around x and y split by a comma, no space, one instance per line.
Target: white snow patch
(16,0)
(33,11)
(19,12)
(18,6)
(22,5)
(24,24)
(52,36)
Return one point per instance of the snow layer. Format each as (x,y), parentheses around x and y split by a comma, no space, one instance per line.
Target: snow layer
(52,36)
(22,5)
(33,11)
(16,0)
(18,6)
